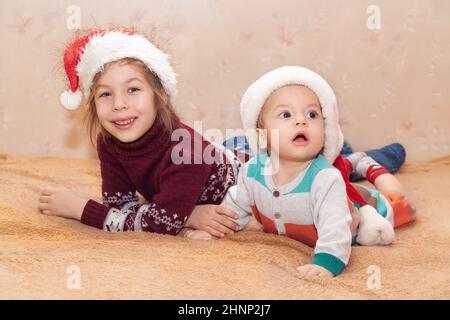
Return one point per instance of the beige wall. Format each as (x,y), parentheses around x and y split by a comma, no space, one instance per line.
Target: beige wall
(392,84)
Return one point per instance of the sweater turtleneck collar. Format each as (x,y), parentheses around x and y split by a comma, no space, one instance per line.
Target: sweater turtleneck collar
(154,140)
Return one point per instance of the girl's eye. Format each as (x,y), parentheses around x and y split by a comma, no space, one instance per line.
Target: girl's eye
(285,115)
(312,114)
(104,94)
(133,89)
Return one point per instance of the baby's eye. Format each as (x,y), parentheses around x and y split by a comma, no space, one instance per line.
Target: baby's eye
(312,114)
(133,89)
(285,115)
(104,94)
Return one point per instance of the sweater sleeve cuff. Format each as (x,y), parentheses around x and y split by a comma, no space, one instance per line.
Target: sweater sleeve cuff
(329,262)
(94,214)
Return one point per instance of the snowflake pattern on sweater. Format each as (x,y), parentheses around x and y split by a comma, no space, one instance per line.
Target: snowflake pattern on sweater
(225,177)
(171,190)
(134,217)
(127,214)
(118,199)
(218,184)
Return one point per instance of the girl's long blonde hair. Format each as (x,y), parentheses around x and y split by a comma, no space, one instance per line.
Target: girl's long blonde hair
(166,116)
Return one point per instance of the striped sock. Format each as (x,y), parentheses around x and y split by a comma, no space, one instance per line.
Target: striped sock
(352,160)
(370,169)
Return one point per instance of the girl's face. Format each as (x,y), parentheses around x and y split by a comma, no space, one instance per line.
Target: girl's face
(294,111)
(125,102)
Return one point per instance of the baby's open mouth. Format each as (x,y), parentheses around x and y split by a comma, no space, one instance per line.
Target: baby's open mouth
(300,138)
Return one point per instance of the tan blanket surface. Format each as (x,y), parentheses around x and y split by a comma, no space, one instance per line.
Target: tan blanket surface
(37,252)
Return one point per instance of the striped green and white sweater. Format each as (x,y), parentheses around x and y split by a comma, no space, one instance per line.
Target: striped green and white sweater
(313,208)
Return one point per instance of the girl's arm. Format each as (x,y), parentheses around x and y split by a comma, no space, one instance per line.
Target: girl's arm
(238,199)
(166,212)
(213,219)
(117,191)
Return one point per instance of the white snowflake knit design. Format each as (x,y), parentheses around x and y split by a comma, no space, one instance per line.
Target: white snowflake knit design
(118,199)
(158,216)
(116,218)
(218,184)
(216,188)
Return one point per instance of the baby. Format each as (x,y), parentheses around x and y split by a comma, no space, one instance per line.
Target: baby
(290,186)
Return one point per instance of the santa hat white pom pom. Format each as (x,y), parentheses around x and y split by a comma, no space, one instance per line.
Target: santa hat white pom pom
(71,100)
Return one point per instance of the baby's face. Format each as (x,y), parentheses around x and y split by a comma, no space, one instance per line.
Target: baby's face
(295,112)
(125,102)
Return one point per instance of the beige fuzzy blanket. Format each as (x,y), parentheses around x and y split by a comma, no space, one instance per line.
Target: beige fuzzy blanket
(41,255)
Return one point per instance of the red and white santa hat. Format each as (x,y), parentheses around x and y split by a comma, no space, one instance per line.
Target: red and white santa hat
(87,55)
(258,92)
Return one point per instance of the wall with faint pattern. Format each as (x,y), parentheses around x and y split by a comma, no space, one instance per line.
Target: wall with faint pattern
(392,83)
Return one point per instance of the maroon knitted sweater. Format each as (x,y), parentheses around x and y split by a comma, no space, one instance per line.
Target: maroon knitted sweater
(172,190)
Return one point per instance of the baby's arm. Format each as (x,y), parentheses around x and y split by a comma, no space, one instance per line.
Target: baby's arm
(332,220)
(239,199)
(233,201)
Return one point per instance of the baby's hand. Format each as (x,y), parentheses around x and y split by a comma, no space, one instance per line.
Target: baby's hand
(314,270)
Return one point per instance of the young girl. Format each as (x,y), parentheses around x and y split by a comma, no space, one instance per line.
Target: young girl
(130,89)
(291,187)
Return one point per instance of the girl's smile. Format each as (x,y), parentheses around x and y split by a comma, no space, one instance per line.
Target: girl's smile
(125,102)
(125,123)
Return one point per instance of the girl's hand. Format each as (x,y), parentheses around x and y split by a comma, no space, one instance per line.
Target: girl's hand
(314,270)
(197,235)
(62,202)
(210,218)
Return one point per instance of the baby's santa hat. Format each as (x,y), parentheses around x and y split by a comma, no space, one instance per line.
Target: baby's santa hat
(259,91)
(87,55)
